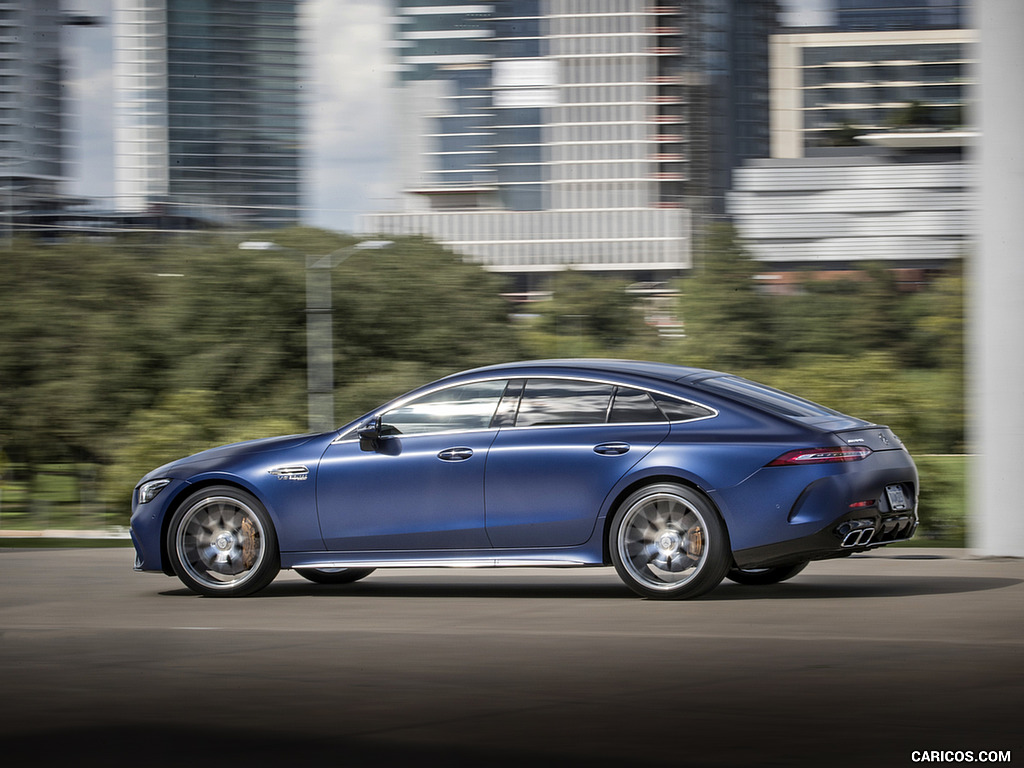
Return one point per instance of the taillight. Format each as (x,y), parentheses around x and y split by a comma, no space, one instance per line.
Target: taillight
(863,504)
(834,455)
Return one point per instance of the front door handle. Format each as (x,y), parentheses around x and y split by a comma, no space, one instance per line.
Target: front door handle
(611,449)
(455,454)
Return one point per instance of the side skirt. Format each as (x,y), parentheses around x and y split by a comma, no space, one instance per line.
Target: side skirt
(573,559)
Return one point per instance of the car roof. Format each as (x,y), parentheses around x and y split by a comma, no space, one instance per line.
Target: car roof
(659,371)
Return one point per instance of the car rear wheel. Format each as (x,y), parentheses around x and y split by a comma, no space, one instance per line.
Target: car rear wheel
(334,575)
(762,576)
(667,542)
(222,543)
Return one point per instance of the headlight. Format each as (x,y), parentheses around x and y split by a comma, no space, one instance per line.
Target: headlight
(148,491)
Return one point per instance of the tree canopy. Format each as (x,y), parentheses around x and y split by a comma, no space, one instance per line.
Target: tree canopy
(108,349)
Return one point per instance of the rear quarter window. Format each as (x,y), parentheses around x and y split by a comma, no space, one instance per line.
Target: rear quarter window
(682,410)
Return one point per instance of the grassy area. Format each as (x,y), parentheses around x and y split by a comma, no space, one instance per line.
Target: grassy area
(943,502)
(55,496)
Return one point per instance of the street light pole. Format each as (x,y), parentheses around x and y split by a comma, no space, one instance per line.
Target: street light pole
(319,326)
(319,345)
(320,332)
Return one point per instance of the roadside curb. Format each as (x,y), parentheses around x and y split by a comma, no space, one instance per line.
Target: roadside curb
(115,532)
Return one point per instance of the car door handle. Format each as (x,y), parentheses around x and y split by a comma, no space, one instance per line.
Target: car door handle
(611,449)
(455,454)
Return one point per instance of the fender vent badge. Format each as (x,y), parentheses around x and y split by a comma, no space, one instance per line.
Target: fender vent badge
(297,472)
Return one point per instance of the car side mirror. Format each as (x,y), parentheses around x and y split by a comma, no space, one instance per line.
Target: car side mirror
(369,436)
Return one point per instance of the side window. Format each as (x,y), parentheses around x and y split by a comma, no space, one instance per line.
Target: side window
(509,405)
(633,406)
(681,410)
(548,402)
(467,406)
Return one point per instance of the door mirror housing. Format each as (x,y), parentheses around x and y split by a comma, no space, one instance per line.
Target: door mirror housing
(369,435)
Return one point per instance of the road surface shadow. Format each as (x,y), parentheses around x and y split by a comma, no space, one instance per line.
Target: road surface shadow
(839,587)
(170,746)
(802,588)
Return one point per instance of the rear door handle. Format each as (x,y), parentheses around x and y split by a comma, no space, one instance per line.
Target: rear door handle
(611,449)
(455,454)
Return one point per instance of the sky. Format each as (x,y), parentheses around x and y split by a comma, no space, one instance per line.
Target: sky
(350,120)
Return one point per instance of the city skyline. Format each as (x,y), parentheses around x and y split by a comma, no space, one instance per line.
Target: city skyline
(543,134)
(349,124)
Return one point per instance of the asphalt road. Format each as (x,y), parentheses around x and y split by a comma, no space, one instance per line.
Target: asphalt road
(859,662)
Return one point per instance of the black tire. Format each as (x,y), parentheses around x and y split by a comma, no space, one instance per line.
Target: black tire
(668,543)
(222,543)
(763,576)
(334,575)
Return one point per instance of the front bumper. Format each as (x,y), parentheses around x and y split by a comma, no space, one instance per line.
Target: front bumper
(148,530)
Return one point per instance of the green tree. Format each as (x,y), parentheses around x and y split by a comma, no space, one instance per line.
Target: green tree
(416,302)
(862,311)
(914,114)
(179,424)
(75,355)
(728,321)
(844,135)
(588,316)
(104,346)
(938,323)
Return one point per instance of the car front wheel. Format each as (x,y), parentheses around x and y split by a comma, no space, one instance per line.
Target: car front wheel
(667,542)
(222,543)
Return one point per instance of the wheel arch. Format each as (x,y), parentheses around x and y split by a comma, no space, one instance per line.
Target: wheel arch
(183,493)
(651,479)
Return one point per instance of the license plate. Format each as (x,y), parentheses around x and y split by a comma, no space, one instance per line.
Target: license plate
(897,499)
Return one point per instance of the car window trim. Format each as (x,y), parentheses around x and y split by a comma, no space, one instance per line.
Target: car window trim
(714,412)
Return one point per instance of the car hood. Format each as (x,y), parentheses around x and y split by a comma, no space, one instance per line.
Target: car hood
(217,457)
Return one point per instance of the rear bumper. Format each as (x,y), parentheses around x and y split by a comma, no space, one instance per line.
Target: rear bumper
(854,532)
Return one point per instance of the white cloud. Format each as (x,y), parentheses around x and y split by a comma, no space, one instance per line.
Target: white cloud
(350,119)
(89,54)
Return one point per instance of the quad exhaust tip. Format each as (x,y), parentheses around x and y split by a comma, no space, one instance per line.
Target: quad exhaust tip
(856,533)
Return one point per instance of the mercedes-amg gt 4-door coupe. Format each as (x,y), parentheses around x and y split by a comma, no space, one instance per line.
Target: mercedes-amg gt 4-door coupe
(677,477)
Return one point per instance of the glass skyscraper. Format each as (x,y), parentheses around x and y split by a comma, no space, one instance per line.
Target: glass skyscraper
(208,115)
(548,134)
(33,137)
(879,15)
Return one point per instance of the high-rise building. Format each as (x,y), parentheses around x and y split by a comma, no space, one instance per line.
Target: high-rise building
(880,15)
(868,151)
(733,122)
(33,127)
(208,114)
(548,134)
(829,86)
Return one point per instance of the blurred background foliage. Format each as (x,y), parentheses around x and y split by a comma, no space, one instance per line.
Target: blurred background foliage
(118,356)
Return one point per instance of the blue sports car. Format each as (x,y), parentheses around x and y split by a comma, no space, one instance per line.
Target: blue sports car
(678,477)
